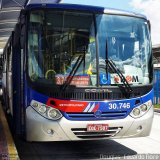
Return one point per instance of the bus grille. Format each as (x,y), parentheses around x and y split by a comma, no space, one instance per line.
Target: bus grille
(83,134)
(91,115)
(90,95)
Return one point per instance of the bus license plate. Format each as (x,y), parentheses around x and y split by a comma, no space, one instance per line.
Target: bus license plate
(97,127)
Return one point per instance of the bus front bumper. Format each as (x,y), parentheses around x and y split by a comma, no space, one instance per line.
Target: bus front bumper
(39,128)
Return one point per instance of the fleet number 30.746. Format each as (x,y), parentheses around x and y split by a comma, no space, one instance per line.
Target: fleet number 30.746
(119,105)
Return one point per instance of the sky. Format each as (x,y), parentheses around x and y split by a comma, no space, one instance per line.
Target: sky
(150,8)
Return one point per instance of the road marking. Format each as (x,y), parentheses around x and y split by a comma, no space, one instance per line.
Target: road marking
(12,151)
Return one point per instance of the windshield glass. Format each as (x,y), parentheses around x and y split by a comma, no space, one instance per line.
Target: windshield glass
(62,46)
(128,46)
(58,43)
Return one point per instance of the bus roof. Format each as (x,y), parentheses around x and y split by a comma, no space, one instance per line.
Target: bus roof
(47,4)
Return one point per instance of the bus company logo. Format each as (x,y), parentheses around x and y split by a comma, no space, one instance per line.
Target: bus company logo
(91,107)
(128,78)
(98,114)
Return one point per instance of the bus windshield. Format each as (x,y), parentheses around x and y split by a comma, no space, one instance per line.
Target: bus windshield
(73,46)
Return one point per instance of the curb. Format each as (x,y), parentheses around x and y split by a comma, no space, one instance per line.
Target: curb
(157,110)
(9,142)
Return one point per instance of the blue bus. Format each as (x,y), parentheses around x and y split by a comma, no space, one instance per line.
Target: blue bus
(77,72)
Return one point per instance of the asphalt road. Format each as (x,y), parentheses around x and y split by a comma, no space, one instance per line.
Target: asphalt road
(105,149)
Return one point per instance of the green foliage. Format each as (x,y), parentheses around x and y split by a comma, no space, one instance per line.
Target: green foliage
(157,106)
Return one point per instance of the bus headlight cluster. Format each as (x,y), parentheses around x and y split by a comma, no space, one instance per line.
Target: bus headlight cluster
(46,111)
(141,110)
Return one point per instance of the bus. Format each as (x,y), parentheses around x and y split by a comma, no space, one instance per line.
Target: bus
(1,66)
(78,72)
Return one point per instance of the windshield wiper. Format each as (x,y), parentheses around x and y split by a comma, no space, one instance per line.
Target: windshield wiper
(126,89)
(73,71)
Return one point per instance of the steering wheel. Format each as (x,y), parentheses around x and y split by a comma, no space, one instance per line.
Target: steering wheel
(48,71)
(33,76)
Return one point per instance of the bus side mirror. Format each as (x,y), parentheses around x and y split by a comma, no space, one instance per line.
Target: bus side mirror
(149,25)
(19,36)
(22,36)
(16,36)
(23,28)
(19,32)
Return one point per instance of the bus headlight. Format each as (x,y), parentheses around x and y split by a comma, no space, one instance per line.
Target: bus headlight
(136,111)
(35,104)
(46,111)
(139,111)
(143,107)
(42,109)
(54,113)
